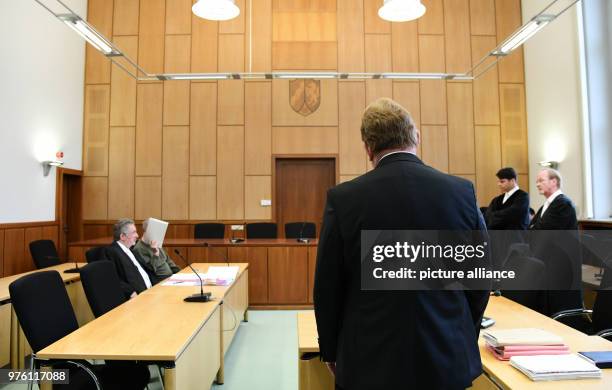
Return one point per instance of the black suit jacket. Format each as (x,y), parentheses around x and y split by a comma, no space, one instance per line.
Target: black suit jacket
(554,240)
(130,278)
(512,215)
(395,339)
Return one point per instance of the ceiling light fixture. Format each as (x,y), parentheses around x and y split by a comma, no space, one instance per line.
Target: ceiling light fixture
(401,10)
(50,163)
(90,34)
(523,34)
(216,9)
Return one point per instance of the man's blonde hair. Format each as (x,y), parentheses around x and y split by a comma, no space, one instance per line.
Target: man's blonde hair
(385,124)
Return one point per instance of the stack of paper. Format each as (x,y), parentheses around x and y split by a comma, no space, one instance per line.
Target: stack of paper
(220,276)
(555,367)
(506,343)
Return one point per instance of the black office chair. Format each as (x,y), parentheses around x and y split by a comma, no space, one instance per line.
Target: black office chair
(96,253)
(300,230)
(261,230)
(102,287)
(44,253)
(45,314)
(209,230)
(528,271)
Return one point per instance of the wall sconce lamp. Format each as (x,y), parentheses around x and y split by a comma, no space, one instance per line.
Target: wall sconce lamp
(50,163)
(549,164)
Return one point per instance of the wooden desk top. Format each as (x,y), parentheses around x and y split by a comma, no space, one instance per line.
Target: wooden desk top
(156,325)
(507,314)
(218,242)
(4,282)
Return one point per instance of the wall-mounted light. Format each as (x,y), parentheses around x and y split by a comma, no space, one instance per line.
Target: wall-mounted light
(50,163)
(216,9)
(549,164)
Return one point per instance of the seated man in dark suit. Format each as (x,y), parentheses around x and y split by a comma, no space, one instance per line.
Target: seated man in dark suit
(134,278)
(510,210)
(559,250)
(394,339)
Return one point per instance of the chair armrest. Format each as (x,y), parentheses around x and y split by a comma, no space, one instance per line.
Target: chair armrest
(606,333)
(571,313)
(84,365)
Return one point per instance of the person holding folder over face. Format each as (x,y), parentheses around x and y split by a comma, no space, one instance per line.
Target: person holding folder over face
(394,339)
(151,256)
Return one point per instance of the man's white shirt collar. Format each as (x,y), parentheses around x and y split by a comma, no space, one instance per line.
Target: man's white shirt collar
(508,194)
(549,200)
(141,270)
(390,153)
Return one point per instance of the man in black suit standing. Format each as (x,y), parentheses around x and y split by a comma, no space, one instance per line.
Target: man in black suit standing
(559,250)
(133,277)
(394,339)
(510,210)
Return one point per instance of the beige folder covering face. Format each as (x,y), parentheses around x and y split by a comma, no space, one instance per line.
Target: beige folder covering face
(156,231)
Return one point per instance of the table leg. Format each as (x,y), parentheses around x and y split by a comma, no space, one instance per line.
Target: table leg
(14,342)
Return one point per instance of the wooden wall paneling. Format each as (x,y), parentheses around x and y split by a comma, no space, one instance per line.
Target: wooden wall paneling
(95,130)
(486,88)
(435,146)
(261,41)
(151,40)
(176,102)
(325,115)
(350,25)
(123,86)
(378,53)
(175,173)
(51,233)
(258,271)
(177,54)
(313,25)
(378,88)
(121,172)
(433,102)
(344,178)
(258,129)
(30,234)
(2,253)
(508,18)
(204,45)
(351,103)
(305,140)
(457,35)
(304,55)
(373,23)
(237,25)
(405,47)
(523,181)
(514,127)
(471,178)
(203,129)
(230,172)
(231,53)
(460,128)
(230,102)
(312,264)
(125,18)
(95,198)
(408,95)
(488,162)
(203,197)
(149,109)
(178,16)
(433,20)
(482,17)
(15,261)
(97,66)
(288,269)
(97,231)
(431,54)
(148,197)
(256,189)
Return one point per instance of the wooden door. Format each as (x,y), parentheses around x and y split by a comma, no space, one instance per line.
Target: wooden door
(70,228)
(300,189)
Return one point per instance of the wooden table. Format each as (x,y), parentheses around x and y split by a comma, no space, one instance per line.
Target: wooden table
(190,339)
(13,344)
(281,271)
(497,374)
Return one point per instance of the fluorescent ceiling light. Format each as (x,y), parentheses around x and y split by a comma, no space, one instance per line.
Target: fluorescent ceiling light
(401,10)
(304,75)
(195,76)
(89,34)
(523,34)
(216,9)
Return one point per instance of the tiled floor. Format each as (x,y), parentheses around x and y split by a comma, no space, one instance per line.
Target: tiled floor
(262,356)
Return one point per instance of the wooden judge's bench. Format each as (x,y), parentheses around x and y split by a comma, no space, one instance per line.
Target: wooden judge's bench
(281,271)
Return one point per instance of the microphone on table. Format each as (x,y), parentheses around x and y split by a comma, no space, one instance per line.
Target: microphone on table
(224,255)
(300,238)
(74,270)
(201,297)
